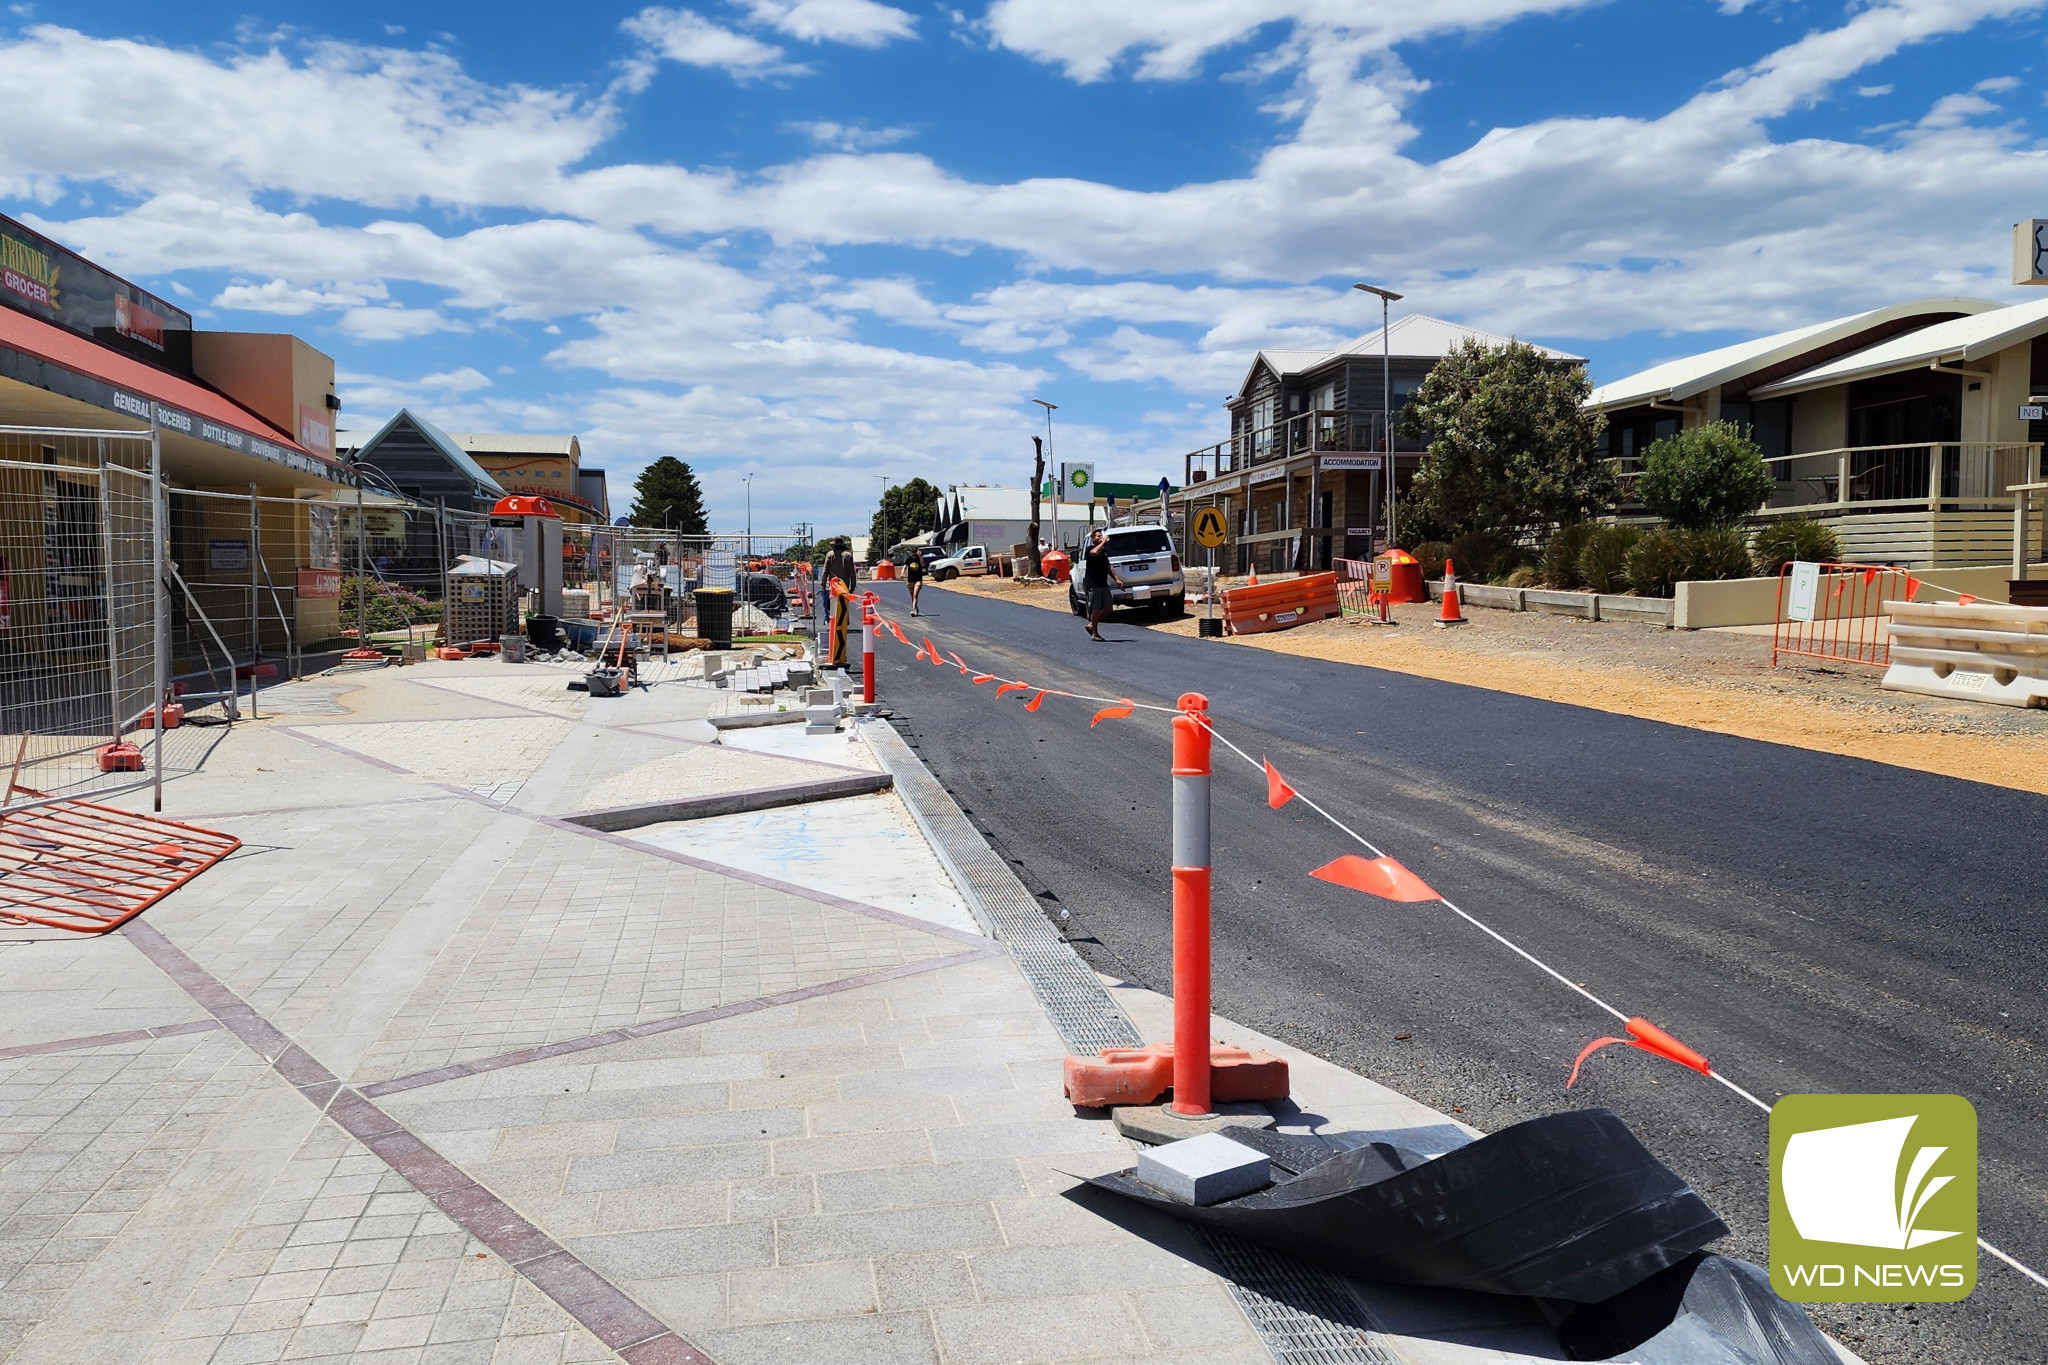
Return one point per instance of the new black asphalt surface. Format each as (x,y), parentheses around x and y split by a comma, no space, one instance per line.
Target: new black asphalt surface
(1810,922)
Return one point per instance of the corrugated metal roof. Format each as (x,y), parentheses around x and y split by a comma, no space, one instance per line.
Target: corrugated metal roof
(1958,340)
(515,443)
(1676,380)
(441,441)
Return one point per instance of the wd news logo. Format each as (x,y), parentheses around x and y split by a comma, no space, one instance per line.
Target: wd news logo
(1874,1198)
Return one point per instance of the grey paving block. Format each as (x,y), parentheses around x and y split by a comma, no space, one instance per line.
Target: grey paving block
(954,1227)
(929,1281)
(699,1130)
(1205,1169)
(789,1293)
(1043,1331)
(962,1182)
(874,1339)
(800,1156)
(677,1166)
(668,1252)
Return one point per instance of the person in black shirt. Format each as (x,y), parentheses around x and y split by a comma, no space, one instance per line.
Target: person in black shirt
(913,578)
(1096,574)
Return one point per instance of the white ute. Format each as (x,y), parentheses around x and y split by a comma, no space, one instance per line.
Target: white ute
(1145,559)
(969,559)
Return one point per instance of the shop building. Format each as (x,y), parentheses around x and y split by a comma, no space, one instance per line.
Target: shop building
(543,466)
(245,427)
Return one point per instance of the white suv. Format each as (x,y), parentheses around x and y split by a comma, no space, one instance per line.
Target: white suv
(1145,559)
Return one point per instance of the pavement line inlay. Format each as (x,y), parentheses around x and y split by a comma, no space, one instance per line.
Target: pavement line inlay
(342,749)
(133,1035)
(544,1051)
(608,1312)
(760,879)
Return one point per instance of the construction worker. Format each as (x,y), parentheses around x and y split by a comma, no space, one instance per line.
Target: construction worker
(840,569)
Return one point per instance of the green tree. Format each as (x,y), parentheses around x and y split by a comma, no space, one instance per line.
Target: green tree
(908,509)
(667,495)
(1510,444)
(1712,475)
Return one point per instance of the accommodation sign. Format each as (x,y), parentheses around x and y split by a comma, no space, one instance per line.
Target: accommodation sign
(40,277)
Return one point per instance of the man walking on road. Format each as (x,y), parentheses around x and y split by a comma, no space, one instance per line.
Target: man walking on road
(913,578)
(839,566)
(1096,574)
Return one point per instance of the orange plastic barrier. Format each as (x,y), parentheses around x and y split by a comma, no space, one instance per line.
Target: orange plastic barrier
(1140,1075)
(88,868)
(1276,605)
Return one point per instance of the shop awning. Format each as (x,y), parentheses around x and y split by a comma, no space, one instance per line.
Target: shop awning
(62,362)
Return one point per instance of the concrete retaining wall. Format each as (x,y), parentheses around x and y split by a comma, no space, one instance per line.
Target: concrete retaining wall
(1754,601)
(1589,606)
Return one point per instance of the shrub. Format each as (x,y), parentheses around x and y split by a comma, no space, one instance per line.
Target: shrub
(390,607)
(1561,555)
(1526,576)
(1713,475)
(1480,555)
(1778,543)
(1667,556)
(1658,560)
(1722,552)
(1603,563)
(1431,554)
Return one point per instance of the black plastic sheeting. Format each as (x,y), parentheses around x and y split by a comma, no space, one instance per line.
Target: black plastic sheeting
(1570,1206)
(1706,1310)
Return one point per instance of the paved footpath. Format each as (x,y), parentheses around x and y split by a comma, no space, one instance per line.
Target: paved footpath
(427,1074)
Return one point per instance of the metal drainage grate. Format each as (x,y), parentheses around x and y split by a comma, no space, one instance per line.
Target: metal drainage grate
(1303,1316)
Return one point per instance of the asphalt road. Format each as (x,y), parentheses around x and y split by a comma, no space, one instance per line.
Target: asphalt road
(1812,923)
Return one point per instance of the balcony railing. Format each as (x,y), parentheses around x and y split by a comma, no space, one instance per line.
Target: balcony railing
(1936,476)
(1344,430)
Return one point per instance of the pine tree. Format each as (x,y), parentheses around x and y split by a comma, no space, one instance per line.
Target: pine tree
(667,495)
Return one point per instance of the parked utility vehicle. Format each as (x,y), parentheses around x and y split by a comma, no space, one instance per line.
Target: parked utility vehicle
(968,559)
(1144,557)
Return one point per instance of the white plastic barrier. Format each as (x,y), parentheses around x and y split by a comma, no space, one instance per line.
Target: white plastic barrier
(1983,651)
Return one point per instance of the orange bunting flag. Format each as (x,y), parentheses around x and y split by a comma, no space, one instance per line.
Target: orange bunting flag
(1013,687)
(933,655)
(980,678)
(1035,702)
(1912,587)
(897,631)
(1278,793)
(958,660)
(920,656)
(1869,577)
(1118,712)
(1382,877)
(1963,599)
(1647,1036)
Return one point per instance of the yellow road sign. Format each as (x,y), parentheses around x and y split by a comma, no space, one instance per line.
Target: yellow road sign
(1209,527)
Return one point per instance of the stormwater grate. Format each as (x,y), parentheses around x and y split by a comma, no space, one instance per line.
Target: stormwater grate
(1302,1315)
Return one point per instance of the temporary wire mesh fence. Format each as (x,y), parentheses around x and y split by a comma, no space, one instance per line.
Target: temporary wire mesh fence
(78,610)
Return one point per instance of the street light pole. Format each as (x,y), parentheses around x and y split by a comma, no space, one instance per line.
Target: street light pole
(882,551)
(1387,298)
(1059,483)
(750,516)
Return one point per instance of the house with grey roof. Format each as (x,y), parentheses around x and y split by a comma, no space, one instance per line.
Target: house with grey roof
(1906,427)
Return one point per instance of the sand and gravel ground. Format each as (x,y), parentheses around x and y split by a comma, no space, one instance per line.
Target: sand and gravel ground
(1710,680)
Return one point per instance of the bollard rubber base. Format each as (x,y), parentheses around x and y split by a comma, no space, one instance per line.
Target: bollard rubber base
(1158,1124)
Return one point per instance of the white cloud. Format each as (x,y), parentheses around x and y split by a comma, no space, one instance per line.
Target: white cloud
(1873,91)
(464,380)
(685,36)
(1997,85)
(858,23)
(395,323)
(849,137)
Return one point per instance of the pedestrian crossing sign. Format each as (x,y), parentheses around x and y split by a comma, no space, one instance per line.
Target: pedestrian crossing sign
(1209,527)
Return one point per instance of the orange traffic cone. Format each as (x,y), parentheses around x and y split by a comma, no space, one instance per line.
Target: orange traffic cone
(1253,580)
(1450,615)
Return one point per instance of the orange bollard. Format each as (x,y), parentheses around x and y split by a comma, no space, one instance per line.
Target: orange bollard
(867,647)
(1191,871)
(1450,615)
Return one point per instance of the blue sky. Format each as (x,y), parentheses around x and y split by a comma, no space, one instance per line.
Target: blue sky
(821,239)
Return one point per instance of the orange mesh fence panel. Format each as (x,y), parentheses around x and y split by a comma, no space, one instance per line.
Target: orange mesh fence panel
(1847,606)
(88,868)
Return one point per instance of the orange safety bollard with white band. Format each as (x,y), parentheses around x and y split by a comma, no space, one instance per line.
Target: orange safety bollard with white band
(1191,874)
(867,646)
